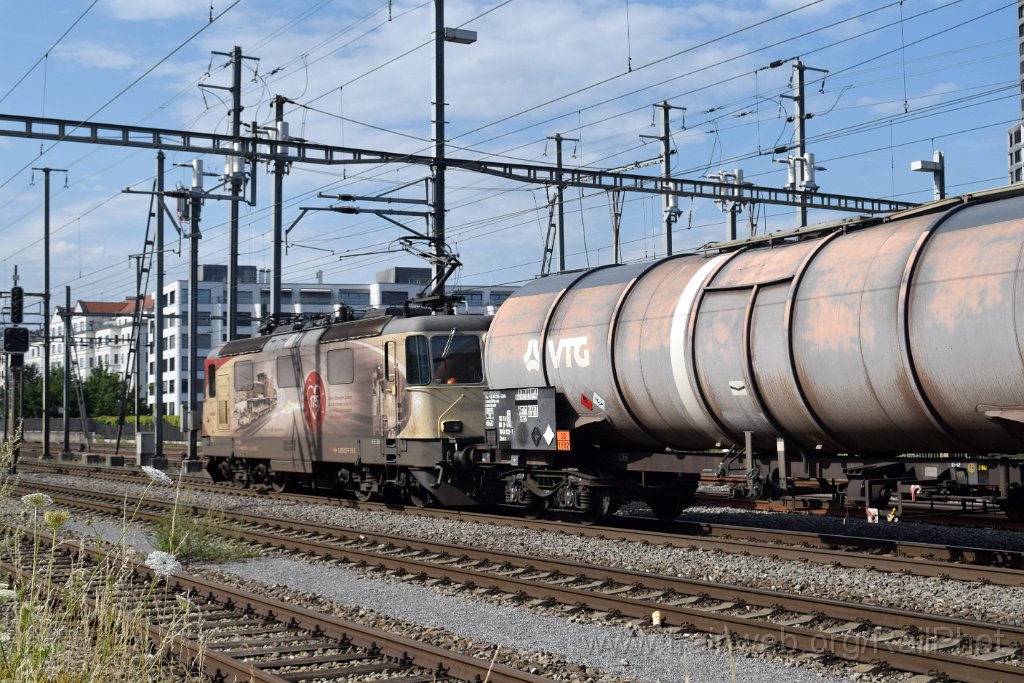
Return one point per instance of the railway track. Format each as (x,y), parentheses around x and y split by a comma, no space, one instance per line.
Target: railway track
(237,635)
(904,640)
(960,512)
(1000,567)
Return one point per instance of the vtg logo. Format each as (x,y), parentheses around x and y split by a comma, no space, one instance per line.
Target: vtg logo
(568,351)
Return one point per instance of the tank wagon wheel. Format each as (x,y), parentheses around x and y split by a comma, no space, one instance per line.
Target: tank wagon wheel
(364,496)
(666,508)
(1014,510)
(601,503)
(280,481)
(534,507)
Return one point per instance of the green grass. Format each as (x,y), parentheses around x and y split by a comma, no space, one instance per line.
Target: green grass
(189,537)
(80,624)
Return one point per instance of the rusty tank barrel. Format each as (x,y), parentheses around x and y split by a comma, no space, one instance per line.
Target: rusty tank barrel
(883,336)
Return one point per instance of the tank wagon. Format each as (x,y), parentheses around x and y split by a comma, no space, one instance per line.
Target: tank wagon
(883,351)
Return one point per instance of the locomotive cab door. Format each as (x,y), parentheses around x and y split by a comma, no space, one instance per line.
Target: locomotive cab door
(389,399)
(222,385)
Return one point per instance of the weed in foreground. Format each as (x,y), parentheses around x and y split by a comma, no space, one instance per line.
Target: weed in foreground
(74,619)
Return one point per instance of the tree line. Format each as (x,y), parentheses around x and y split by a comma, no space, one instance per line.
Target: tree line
(102,392)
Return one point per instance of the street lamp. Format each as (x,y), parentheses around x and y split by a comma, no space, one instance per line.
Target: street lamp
(937,167)
(441,35)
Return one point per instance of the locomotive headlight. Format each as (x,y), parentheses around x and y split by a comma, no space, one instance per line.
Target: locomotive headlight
(451,426)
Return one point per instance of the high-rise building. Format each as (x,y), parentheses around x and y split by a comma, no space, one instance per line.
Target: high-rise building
(1014,134)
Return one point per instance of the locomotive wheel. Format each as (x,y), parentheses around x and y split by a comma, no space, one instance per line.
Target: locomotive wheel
(420,497)
(666,508)
(280,481)
(242,477)
(364,496)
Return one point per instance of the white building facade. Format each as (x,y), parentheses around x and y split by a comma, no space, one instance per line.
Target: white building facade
(169,382)
(101,335)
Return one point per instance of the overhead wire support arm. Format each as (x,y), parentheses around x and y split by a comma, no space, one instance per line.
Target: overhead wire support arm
(261,149)
(603,180)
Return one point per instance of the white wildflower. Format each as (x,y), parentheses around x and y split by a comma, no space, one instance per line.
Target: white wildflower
(55,519)
(163,564)
(6,594)
(157,476)
(5,637)
(37,499)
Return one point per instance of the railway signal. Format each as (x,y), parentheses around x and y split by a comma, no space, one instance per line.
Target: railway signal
(16,340)
(17,305)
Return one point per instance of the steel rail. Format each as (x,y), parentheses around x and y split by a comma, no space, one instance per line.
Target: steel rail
(1000,567)
(464,567)
(221,666)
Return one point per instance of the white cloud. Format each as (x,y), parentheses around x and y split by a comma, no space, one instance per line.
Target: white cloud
(90,54)
(150,10)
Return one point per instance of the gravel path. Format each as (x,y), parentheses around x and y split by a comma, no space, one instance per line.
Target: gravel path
(621,653)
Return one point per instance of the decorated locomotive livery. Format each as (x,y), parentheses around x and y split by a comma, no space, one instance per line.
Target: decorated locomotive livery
(374,405)
(886,352)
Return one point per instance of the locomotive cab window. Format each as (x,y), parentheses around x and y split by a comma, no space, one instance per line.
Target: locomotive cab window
(211,380)
(456,359)
(417,360)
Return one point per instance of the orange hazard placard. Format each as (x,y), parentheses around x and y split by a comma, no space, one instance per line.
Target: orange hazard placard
(563,440)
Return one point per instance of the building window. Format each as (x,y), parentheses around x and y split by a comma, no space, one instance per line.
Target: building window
(315,297)
(203,319)
(244,319)
(472,298)
(353,297)
(203,341)
(391,297)
(203,296)
(244,297)
(498,298)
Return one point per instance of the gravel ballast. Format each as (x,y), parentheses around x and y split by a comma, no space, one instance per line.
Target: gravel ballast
(621,653)
(662,654)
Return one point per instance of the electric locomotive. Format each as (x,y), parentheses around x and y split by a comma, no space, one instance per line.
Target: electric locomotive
(388,404)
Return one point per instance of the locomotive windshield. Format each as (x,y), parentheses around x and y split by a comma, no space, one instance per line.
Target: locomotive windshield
(443,359)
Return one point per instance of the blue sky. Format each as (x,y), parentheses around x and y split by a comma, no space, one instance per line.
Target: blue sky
(904,79)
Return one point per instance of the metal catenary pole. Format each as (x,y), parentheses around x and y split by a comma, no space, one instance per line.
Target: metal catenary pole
(158,316)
